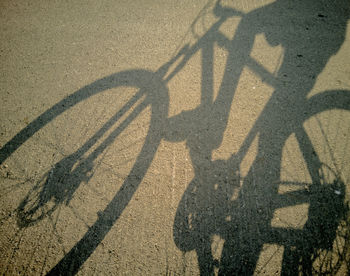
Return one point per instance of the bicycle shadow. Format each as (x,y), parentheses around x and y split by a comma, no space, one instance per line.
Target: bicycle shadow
(244,237)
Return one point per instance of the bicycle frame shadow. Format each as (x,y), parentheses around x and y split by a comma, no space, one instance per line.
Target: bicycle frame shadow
(206,208)
(244,238)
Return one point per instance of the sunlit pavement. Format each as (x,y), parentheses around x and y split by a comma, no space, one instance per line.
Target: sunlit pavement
(175,137)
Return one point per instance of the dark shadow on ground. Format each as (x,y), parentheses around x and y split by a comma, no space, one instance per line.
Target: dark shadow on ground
(310,33)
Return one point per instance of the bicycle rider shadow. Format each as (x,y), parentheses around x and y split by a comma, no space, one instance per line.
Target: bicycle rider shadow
(302,29)
(310,32)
